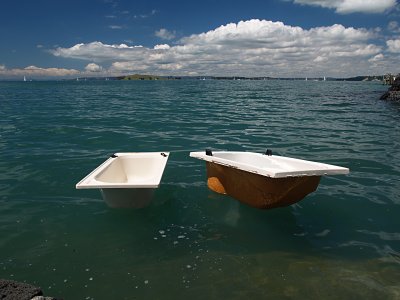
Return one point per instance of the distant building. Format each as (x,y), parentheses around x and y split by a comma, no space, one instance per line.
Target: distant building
(388,79)
(393,92)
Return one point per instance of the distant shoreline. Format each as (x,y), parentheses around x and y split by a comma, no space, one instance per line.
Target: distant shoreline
(157,77)
(146,77)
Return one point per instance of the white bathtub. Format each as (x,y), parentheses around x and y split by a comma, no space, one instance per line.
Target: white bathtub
(127,179)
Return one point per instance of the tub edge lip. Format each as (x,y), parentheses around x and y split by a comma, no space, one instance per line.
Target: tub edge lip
(89,181)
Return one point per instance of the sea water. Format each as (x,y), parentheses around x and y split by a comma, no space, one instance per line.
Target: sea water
(340,242)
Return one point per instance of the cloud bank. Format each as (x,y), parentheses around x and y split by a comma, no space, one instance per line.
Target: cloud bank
(38,72)
(247,48)
(250,48)
(352,6)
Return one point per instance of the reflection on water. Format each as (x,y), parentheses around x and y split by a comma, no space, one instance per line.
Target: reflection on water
(340,242)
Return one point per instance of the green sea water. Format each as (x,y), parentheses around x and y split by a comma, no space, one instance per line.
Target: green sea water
(340,242)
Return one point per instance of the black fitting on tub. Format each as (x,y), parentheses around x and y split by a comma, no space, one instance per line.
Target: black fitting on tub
(268,152)
(209,152)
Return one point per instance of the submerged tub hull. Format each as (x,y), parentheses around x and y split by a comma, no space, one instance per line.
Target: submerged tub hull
(257,190)
(128,198)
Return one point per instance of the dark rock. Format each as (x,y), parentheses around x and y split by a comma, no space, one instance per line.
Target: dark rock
(384,96)
(393,92)
(12,290)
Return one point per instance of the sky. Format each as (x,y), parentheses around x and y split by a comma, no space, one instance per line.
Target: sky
(277,38)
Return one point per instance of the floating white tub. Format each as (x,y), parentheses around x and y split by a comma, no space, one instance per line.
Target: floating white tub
(127,179)
(263,181)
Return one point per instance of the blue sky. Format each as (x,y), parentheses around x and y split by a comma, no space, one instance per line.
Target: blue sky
(59,38)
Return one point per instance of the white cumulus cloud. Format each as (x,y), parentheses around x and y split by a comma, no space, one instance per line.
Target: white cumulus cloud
(165,34)
(377,58)
(393,27)
(97,51)
(249,48)
(352,6)
(92,67)
(393,45)
(162,47)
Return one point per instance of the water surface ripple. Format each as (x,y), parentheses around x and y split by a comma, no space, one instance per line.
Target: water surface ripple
(341,242)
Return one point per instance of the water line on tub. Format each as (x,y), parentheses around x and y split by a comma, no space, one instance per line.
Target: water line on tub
(196,150)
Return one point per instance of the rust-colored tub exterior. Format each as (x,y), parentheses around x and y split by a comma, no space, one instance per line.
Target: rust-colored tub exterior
(257,190)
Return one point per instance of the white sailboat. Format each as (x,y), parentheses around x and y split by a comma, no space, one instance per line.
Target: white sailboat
(24,78)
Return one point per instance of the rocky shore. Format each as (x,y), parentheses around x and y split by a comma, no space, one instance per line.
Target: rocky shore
(13,290)
(393,94)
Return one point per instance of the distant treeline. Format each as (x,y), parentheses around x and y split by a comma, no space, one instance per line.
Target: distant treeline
(142,77)
(156,77)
